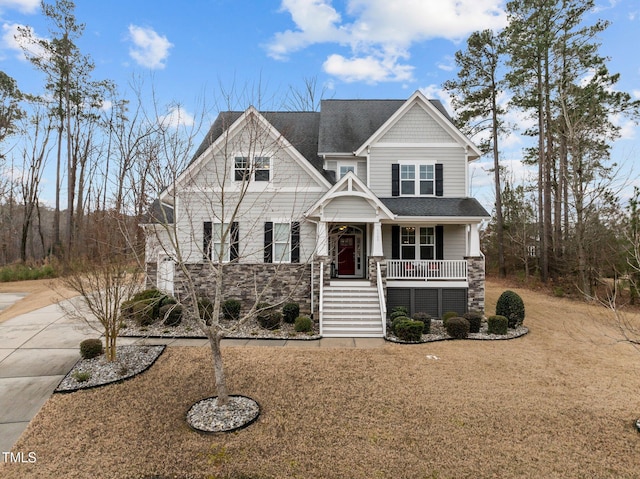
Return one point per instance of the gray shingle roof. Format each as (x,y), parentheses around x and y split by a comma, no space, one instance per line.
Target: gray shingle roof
(346,124)
(455,207)
(299,128)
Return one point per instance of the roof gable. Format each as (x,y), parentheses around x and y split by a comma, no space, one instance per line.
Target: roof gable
(442,119)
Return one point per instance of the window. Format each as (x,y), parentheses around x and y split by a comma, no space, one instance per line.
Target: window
(281,250)
(408,179)
(427,243)
(217,244)
(262,167)
(344,169)
(241,168)
(408,242)
(417,243)
(427,179)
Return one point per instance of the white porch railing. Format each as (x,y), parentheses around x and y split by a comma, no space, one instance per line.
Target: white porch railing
(321,298)
(426,270)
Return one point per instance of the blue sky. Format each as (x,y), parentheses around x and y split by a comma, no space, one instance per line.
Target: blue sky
(355,48)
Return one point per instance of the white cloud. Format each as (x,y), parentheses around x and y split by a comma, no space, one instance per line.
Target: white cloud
(149,49)
(176,117)
(380,32)
(636,94)
(24,6)
(367,69)
(10,40)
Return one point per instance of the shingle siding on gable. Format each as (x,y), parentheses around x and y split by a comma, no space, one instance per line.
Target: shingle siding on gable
(453,161)
(353,207)
(416,126)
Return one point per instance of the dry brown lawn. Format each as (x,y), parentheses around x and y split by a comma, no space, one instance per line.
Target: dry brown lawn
(557,403)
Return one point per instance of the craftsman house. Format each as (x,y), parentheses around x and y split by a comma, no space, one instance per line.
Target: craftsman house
(349,211)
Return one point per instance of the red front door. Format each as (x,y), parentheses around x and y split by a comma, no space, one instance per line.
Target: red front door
(346,255)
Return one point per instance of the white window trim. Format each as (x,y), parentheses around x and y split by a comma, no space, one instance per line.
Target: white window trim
(416,180)
(417,244)
(214,250)
(251,166)
(275,258)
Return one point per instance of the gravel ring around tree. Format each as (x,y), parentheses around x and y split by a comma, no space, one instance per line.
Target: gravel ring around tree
(206,416)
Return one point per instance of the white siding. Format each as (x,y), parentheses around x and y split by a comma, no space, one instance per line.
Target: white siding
(349,207)
(416,125)
(454,166)
(455,246)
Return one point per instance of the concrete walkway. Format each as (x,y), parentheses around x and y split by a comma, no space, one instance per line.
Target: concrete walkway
(38,349)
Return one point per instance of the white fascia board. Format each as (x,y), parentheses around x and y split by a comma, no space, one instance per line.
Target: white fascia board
(449,220)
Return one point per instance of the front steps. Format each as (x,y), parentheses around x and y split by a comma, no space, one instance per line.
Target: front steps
(351,309)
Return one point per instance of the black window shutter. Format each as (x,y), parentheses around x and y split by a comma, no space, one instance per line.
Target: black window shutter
(439,242)
(235,240)
(395,180)
(206,244)
(395,242)
(295,242)
(439,187)
(268,242)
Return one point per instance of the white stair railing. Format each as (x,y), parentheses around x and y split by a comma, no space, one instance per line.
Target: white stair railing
(383,304)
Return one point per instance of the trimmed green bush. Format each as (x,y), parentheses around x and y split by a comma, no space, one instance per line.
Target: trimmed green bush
(231,309)
(270,320)
(91,348)
(151,293)
(397,320)
(402,309)
(511,306)
(144,312)
(126,309)
(398,314)
(447,315)
(172,314)
(426,320)
(205,309)
(290,312)
(475,321)
(168,300)
(497,324)
(409,330)
(457,327)
(303,324)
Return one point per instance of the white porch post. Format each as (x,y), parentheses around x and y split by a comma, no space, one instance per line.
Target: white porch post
(322,239)
(376,249)
(474,240)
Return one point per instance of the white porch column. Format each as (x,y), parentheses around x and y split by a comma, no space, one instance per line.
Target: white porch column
(474,240)
(322,240)
(376,247)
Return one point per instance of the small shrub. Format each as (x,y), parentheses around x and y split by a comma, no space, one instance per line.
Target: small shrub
(475,321)
(511,306)
(457,327)
(151,293)
(81,376)
(447,315)
(497,324)
(167,300)
(172,314)
(143,313)
(290,312)
(91,348)
(397,320)
(409,330)
(402,309)
(231,309)
(205,309)
(303,324)
(426,320)
(398,314)
(270,320)
(126,310)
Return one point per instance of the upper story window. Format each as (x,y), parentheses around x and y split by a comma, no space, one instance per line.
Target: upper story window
(344,169)
(417,179)
(260,168)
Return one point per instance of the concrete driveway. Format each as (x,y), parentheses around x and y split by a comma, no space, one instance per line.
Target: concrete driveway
(37,350)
